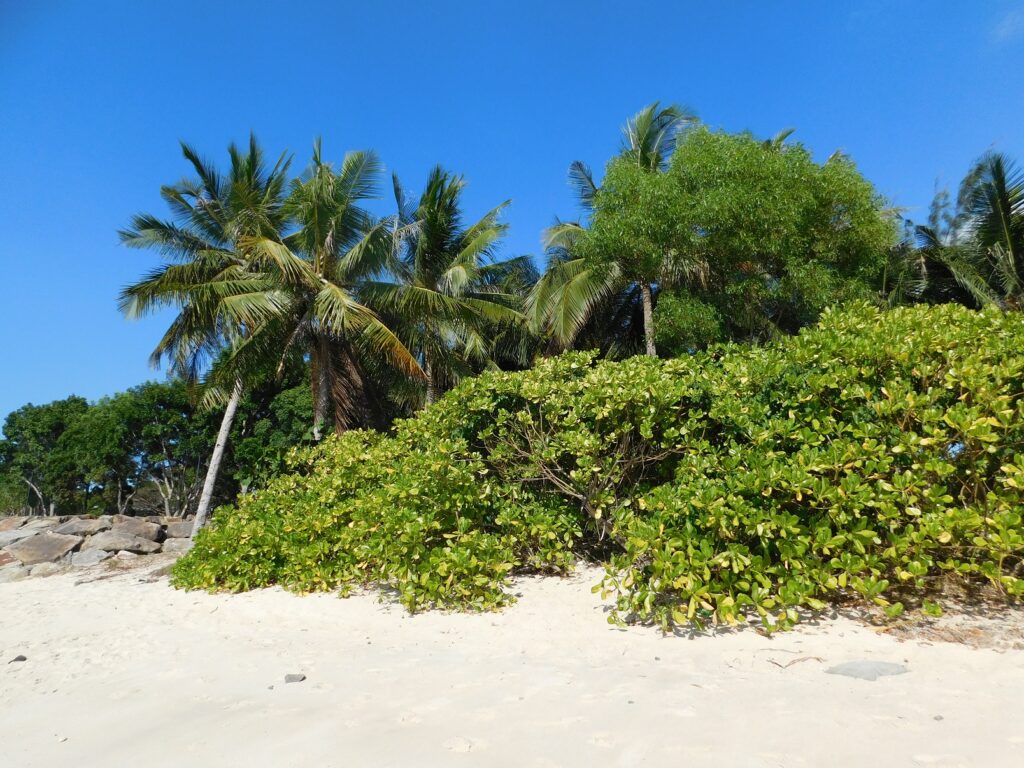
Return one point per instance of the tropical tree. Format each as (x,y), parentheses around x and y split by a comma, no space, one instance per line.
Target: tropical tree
(992,204)
(971,252)
(447,289)
(745,238)
(309,293)
(612,297)
(31,451)
(206,275)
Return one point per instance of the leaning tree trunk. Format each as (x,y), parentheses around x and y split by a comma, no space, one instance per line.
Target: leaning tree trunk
(648,302)
(428,371)
(203,510)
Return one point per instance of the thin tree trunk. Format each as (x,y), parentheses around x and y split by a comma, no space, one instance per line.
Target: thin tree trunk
(39,495)
(203,510)
(648,301)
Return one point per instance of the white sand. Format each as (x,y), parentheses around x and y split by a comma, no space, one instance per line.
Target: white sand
(122,672)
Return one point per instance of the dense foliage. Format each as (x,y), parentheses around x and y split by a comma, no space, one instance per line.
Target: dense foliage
(869,457)
(144,450)
(755,234)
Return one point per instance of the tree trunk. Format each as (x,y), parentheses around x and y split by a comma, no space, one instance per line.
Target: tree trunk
(203,510)
(648,301)
(321,390)
(353,396)
(428,370)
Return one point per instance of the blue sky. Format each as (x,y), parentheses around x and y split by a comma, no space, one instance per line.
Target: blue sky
(94,97)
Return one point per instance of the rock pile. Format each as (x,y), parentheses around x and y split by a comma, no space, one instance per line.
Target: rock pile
(42,546)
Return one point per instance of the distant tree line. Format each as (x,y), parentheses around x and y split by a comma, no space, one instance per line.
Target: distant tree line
(143,451)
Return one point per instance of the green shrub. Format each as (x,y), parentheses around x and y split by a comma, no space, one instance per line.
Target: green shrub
(866,458)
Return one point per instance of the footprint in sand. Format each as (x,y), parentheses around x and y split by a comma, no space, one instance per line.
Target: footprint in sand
(409,718)
(463,745)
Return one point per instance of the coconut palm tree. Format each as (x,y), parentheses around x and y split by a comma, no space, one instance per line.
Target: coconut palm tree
(447,290)
(578,299)
(310,285)
(204,264)
(992,200)
(972,255)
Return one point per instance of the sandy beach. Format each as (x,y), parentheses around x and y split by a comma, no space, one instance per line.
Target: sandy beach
(125,670)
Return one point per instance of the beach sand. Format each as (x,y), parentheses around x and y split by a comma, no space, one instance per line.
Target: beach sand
(126,671)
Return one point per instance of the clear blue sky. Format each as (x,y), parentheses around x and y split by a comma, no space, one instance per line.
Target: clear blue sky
(94,97)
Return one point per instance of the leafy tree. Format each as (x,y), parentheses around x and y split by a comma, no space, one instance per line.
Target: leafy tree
(207,277)
(783,236)
(756,231)
(639,237)
(270,425)
(593,301)
(13,493)
(32,452)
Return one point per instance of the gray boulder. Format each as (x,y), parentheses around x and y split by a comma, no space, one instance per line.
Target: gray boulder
(116,540)
(177,546)
(47,547)
(179,529)
(10,523)
(82,526)
(134,526)
(90,557)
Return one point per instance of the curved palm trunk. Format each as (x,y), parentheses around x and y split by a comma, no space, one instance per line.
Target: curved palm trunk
(648,302)
(203,510)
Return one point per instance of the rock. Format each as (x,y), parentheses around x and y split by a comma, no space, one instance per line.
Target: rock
(47,547)
(42,523)
(9,537)
(177,546)
(19,657)
(46,569)
(126,555)
(90,557)
(179,529)
(13,573)
(6,558)
(10,523)
(136,527)
(115,540)
(83,526)
(294,678)
(867,670)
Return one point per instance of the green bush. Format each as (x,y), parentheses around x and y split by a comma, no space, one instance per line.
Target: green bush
(866,458)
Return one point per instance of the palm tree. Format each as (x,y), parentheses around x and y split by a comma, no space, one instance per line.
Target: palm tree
(972,255)
(204,264)
(310,292)
(447,289)
(576,295)
(992,199)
